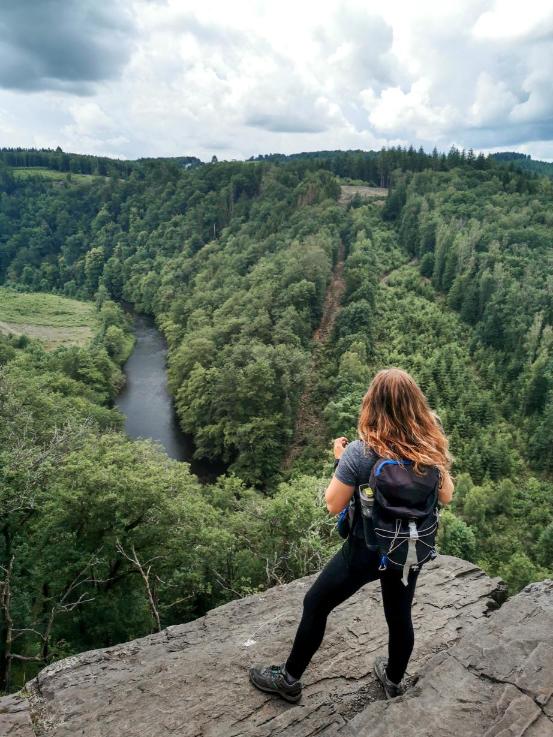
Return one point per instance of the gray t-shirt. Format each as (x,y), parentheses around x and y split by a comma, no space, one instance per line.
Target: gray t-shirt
(353,469)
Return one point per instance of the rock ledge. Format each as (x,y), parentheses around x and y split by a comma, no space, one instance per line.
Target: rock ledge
(480,667)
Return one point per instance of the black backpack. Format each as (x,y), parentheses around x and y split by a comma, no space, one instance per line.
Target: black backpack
(402,507)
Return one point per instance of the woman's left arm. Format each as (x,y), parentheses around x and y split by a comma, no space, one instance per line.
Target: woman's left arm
(338,493)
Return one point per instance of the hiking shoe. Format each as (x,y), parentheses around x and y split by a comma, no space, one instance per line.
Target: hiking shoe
(272,679)
(391,689)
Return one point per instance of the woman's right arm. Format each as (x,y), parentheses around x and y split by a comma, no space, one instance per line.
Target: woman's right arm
(445,492)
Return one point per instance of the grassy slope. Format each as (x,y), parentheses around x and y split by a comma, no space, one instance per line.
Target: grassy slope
(53,319)
(24,172)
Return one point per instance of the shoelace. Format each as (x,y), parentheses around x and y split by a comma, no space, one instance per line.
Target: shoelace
(276,670)
(399,687)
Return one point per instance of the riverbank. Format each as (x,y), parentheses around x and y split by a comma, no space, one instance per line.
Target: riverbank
(146,403)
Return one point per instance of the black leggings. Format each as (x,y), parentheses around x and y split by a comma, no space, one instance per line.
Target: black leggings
(353,566)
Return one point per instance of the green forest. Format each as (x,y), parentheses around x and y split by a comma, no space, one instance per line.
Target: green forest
(104,538)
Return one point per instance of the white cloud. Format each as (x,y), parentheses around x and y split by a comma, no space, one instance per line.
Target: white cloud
(493,101)
(511,19)
(398,112)
(254,76)
(90,118)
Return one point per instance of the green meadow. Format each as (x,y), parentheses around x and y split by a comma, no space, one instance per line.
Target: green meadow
(25,172)
(53,319)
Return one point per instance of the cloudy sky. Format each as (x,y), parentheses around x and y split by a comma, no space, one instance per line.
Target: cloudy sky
(132,78)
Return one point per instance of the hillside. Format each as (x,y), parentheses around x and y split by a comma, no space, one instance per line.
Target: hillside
(524,162)
(279,299)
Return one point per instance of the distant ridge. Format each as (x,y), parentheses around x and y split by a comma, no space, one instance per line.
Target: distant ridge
(524,162)
(67,162)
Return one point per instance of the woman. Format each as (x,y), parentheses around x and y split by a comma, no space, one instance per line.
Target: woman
(395,422)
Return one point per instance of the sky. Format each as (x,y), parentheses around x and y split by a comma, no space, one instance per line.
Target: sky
(132,78)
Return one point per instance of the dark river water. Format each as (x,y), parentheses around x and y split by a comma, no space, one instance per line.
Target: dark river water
(146,403)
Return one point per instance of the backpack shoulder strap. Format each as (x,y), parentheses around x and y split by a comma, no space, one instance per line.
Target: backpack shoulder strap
(382,462)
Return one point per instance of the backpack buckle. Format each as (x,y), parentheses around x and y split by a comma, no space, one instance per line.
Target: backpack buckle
(413,532)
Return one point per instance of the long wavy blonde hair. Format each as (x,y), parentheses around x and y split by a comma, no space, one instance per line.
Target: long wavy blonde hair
(397,422)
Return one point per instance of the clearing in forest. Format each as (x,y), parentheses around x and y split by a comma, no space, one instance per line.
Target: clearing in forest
(24,172)
(52,319)
(349,191)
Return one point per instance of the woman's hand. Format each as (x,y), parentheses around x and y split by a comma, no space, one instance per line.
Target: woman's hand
(339,446)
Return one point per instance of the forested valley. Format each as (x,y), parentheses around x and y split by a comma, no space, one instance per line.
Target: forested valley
(278,300)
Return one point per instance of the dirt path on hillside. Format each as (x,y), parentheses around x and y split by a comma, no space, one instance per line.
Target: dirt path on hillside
(309,420)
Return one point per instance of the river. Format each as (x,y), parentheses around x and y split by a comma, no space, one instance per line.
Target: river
(146,403)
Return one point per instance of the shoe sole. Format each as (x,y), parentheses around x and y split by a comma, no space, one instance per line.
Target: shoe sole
(288,697)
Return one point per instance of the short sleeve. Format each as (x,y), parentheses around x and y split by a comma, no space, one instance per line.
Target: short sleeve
(347,470)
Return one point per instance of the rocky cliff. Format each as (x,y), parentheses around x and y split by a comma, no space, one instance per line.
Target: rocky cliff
(480,667)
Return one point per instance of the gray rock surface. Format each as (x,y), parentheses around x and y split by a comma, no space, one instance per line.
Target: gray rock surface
(191,680)
(496,681)
(15,717)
